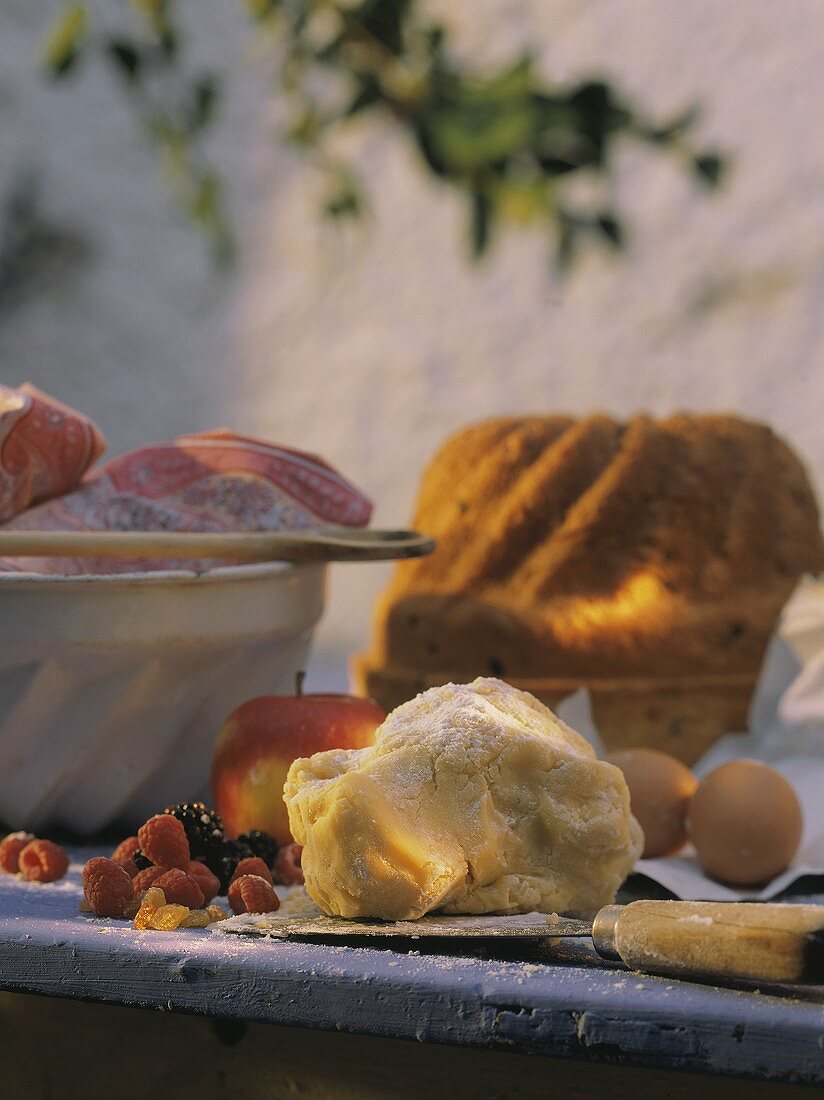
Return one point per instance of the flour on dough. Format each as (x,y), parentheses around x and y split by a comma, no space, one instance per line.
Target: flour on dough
(474,798)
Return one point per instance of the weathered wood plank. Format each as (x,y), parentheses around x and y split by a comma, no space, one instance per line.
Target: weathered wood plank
(105,1050)
(561,1008)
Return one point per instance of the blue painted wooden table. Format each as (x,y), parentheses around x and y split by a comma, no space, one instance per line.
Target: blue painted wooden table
(569,1005)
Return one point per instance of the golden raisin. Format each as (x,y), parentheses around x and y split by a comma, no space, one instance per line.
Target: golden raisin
(153,899)
(216,913)
(154,896)
(196,918)
(168,917)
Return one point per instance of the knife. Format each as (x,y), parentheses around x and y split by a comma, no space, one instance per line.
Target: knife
(683,939)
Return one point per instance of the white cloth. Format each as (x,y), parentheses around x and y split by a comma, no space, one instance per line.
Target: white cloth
(786,731)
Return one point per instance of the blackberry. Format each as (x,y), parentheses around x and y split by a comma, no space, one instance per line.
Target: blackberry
(204,830)
(211,850)
(140,861)
(226,860)
(224,868)
(260,844)
(204,827)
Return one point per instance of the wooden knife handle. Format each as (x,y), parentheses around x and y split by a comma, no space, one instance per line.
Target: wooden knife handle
(323,544)
(708,939)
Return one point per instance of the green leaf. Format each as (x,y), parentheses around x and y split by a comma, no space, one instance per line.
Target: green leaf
(156,14)
(329,54)
(480,223)
(421,128)
(153,10)
(560,145)
(479,128)
(169,42)
(344,205)
(345,199)
(62,46)
(611,229)
(556,166)
(306,127)
(262,9)
(673,129)
(512,83)
(709,167)
(597,116)
(435,38)
(521,200)
(126,58)
(383,20)
(597,107)
(565,243)
(206,210)
(204,100)
(470,142)
(206,197)
(507,138)
(369,94)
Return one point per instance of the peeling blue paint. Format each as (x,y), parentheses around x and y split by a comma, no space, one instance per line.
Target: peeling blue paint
(572,1006)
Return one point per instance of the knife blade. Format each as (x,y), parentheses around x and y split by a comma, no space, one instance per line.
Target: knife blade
(753,941)
(436,926)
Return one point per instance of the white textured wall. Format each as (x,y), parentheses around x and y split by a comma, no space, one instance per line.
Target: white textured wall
(370,344)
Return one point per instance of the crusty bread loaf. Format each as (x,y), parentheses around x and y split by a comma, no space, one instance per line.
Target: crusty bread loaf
(649,560)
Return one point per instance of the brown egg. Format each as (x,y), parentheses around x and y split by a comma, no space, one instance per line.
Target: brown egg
(745,823)
(660,788)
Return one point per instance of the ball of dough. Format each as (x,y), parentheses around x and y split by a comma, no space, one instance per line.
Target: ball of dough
(474,798)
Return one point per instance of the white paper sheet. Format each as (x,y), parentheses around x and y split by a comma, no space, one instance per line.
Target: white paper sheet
(786,731)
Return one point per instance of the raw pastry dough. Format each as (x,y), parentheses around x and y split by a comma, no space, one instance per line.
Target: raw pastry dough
(474,798)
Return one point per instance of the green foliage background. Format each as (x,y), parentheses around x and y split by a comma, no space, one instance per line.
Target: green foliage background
(507,140)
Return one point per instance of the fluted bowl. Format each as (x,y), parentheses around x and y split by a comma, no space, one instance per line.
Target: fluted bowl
(113,688)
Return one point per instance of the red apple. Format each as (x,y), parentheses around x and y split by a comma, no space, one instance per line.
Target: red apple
(260,740)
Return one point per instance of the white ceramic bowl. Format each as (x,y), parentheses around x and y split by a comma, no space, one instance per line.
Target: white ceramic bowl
(113,688)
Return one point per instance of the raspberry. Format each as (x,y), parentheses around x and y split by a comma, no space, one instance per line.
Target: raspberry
(10,848)
(107,887)
(163,841)
(124,855)
(287,865)
(207,880)
(180,889)
(132,908)
(126,848)
(253,865)
(144,879)
(42,861)
(252,894)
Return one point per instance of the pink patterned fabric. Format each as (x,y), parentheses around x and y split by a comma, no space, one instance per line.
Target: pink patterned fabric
(214,481)
(45,448)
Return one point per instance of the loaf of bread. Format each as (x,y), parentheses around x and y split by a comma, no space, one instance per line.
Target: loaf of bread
(648,560)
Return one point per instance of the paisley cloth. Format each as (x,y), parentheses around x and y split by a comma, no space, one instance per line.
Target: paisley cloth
(213,481)
(45,448)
